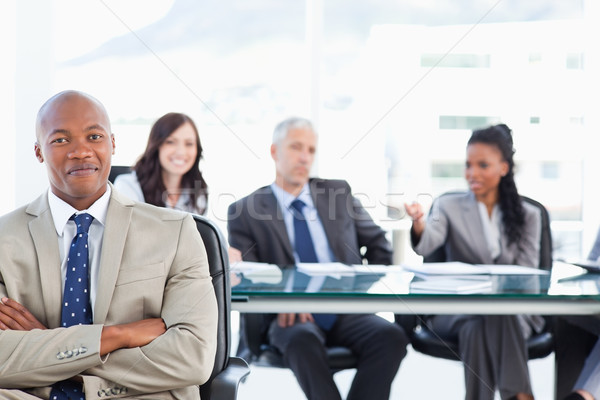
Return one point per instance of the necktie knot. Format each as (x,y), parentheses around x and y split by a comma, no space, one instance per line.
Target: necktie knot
(297,206)
(83,222)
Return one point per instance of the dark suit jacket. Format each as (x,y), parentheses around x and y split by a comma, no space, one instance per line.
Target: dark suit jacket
(256,226)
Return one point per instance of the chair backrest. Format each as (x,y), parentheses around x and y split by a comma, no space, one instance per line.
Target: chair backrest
(218,261)
(439,254)
(117,170)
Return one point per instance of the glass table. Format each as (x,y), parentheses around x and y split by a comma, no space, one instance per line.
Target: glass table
(264,288)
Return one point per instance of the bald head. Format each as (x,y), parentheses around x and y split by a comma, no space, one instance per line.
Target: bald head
(75,142)
(63,99)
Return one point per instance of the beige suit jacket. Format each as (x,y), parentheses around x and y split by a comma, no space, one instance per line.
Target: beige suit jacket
(153,264)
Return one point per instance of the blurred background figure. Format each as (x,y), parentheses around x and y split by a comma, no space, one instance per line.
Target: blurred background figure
(489,224)
(168,173)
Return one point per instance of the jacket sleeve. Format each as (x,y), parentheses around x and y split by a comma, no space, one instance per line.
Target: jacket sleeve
(371,236)
(239,232)
(128,185)
(436,230)
(184,355)
(42,357)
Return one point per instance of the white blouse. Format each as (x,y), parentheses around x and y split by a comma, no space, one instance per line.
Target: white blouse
(128,185)
(491,228)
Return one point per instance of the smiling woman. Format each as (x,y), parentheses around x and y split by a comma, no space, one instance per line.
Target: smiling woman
(167,174)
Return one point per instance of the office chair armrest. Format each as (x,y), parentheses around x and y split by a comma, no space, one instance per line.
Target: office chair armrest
(224,386)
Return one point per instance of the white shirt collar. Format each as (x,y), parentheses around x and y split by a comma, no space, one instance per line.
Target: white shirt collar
(62,211)
(286,199)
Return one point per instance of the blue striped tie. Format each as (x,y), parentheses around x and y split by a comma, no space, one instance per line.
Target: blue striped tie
(76,308)
(305,249)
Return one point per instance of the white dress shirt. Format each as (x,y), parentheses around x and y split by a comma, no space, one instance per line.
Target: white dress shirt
(315,226)
(66,230)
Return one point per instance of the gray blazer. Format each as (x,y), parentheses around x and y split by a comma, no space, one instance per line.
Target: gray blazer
(153,264)
(454,222)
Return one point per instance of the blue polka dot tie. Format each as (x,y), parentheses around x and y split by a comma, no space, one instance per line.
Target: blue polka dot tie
(76,307)
(305,248)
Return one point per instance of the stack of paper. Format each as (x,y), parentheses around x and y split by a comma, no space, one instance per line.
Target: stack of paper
(446,268)
(333,269)
(460,268)
(258,272)
(451,285)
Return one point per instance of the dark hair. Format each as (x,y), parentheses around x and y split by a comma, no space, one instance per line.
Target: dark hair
(513,214)
(148,168)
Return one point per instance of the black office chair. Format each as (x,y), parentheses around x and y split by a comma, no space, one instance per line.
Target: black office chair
(257,350)
(228,371)
(425,341)
(116,170)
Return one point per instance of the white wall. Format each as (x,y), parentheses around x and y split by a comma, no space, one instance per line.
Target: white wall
(33,85)
(7,90)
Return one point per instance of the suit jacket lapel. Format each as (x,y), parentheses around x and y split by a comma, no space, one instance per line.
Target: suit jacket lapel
(118,219)
(43,233)
(270,207)
(321,200)
(472,221)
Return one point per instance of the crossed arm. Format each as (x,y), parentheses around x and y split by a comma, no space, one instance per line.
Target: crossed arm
(14,316)
(180,326)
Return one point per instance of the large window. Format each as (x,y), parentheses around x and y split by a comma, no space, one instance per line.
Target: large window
(394,88)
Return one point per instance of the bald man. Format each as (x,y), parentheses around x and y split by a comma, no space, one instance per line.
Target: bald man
(154,315)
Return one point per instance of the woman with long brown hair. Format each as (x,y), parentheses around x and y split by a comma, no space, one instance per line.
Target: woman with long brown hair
(167,174)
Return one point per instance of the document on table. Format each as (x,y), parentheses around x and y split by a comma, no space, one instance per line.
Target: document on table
(589,265)
(258,272)
(376,268)
(446,268)
(339,269)
(460,268)
(333,269)
(504,269)
(451,286)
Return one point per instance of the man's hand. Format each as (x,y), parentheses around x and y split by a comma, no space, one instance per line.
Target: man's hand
(286,320)
(14,316)
(134,334)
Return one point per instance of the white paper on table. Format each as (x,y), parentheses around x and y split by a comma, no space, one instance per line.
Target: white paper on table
(446,268)
(504,269)
(334,269)
(258,272)
(376,268)
(451,285)
(460,268)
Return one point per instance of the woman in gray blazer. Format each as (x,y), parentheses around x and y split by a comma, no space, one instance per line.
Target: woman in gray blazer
(489,224)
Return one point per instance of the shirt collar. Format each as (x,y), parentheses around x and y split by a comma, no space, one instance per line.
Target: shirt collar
(285,199)
(62,211)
